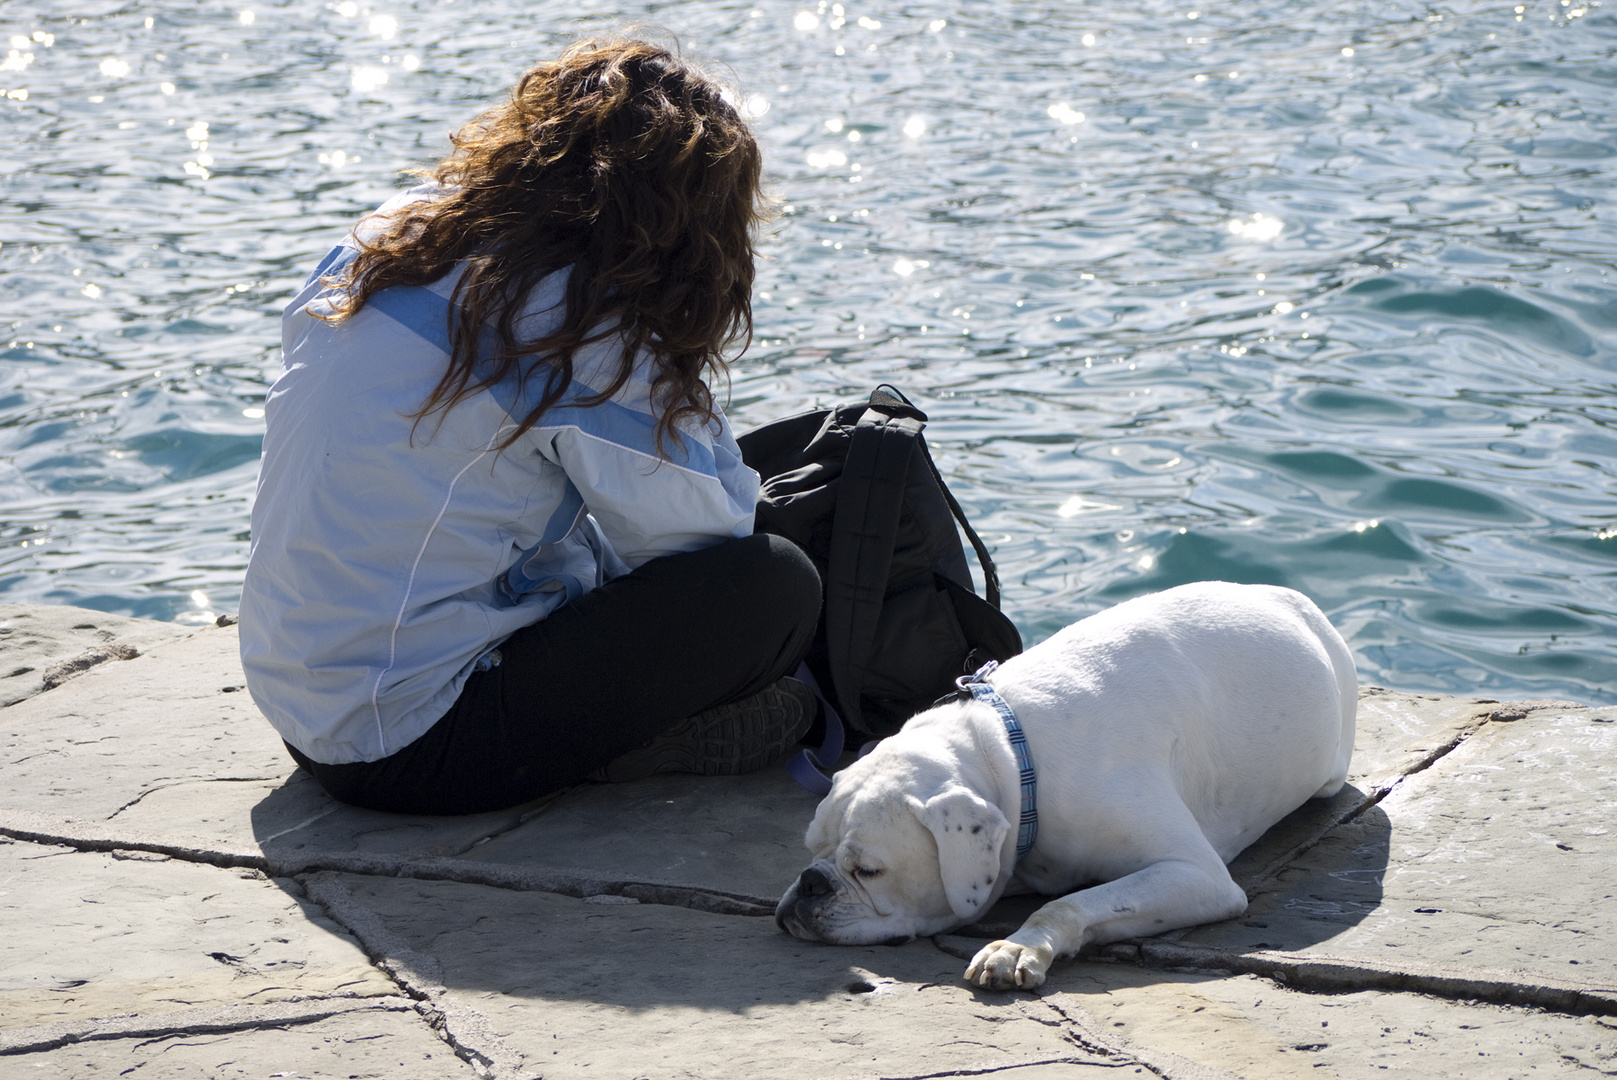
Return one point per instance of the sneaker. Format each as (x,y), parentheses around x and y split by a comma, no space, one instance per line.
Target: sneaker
(728,740)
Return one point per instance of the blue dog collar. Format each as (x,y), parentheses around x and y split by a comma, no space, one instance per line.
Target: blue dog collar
(975,685)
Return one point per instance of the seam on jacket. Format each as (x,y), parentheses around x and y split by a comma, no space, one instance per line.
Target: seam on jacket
(409,586)
(636,451)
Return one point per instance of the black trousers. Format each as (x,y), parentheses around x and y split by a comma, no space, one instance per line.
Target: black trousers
(600,676)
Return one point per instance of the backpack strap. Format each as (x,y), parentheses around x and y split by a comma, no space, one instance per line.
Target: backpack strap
(990,572)
(869,499)
(887,395)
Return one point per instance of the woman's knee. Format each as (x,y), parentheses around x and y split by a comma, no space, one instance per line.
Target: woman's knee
(777,571)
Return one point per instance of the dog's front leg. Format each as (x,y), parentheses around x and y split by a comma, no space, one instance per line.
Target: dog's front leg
(1159,898)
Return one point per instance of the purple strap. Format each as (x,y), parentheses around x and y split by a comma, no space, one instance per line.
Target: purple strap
(807,765)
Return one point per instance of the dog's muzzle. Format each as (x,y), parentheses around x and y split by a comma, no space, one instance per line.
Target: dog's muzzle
(796,912)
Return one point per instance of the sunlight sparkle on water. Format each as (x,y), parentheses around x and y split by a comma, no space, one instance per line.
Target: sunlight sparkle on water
(1259,227)
(825,159)
(1063,113)
(366,79)
(1080,505)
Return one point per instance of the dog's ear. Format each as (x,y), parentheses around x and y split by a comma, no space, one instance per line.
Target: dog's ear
(969,831)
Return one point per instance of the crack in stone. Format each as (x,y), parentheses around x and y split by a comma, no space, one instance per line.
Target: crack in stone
(1262,878)
(533,811)
(182,781)
(305,823)
(989,1070)
(63,670)
(1078,1033)
(205,1021)
(1475,723)
(577,884)
(1570,1060)
(43,753)
(1081,1031)
(1334,975)
(466,1031)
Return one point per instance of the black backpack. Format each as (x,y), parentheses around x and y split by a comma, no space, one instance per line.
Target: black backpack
(856,489)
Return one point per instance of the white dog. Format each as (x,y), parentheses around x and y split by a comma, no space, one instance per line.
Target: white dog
(1164,735)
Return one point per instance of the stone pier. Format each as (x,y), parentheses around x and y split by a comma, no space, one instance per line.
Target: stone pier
(177,900)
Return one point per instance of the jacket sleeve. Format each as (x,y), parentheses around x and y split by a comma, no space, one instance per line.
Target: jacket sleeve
(647,505)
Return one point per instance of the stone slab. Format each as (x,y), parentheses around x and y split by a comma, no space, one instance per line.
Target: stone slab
(1253,1028)
(1499,857)
(742,835)
(92,934)
(388,1043)
(1473,838)
(583,989)
(578,989)
(1396,734)
(168,749)
(34,637)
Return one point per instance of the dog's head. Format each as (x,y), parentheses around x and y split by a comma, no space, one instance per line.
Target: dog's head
(895,856)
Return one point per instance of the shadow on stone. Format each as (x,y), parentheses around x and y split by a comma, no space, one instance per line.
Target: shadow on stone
(1331,888)
(293,806)
(1289,908)
(297,819)
(539,946)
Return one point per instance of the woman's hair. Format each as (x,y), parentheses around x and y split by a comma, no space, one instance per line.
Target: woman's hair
(621,161)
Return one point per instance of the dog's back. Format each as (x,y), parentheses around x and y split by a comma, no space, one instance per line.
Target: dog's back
(1237,701)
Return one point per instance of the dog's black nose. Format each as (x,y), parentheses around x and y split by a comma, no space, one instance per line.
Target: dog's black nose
(813,883)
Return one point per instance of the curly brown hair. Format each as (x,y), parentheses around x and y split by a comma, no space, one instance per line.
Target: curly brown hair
(621,161)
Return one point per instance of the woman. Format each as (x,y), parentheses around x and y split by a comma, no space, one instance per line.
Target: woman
(503,533)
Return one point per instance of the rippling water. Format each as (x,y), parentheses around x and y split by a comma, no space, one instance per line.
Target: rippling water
(1315,294)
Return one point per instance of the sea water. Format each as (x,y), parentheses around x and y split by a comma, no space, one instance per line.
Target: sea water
(1315,294)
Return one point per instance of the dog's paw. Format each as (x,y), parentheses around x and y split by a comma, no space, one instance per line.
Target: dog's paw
(1006,965)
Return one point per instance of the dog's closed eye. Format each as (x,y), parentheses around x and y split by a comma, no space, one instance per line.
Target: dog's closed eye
(865,873)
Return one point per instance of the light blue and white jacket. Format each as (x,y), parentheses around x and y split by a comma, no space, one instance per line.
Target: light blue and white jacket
(389,558)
